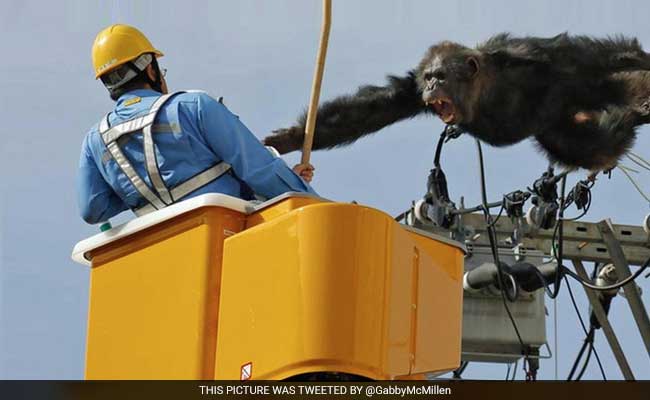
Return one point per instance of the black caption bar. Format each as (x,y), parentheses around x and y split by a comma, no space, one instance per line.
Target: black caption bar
(126,390)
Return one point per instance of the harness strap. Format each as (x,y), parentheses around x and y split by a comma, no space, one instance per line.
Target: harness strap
(150,153)
(113,133)
(133,176)
(190,185)
(164,196)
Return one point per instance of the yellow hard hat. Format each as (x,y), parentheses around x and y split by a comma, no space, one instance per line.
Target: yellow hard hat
(117,45)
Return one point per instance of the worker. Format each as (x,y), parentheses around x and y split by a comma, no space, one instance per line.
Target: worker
(156,148)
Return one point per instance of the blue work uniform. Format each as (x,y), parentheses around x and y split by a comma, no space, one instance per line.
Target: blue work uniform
(192,132)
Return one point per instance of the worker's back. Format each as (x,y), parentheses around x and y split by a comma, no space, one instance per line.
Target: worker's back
(192,132)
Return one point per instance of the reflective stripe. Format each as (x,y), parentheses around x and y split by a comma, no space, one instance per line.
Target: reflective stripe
(190,185)
(110,136)
(150,153)
(144,210)
(200,180)
(129,126)
(133,176)
(165,196)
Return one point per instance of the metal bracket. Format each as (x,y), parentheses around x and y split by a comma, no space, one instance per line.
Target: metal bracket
(509,356)
(604,323)
(623,271)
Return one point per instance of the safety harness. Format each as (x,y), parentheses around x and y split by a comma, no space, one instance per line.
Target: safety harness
(159,196)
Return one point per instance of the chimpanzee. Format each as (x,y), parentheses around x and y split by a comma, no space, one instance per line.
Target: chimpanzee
(579,97)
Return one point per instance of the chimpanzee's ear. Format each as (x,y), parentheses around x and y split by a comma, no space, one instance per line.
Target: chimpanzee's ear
(474,65)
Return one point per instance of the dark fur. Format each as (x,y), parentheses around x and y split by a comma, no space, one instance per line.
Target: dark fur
(579,97)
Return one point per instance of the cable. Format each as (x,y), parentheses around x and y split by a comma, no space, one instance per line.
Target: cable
(629,169)
(584,366)
(457,373)
(617,285)
(476,208)
(558,233)
(638,160)
(587,343)
(490,227)
(498,215)
(582,324)
(638,188)
(495,251)
(571,200)
(441,141)
(563,270)
(559,227)
(638,163)
(555,359)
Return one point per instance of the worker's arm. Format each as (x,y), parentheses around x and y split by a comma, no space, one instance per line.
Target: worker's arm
(97,200)
(231,141)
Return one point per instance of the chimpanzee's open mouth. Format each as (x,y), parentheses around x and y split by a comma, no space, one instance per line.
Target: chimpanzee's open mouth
(445,109)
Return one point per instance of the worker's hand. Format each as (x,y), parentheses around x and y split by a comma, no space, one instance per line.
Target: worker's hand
(305,171)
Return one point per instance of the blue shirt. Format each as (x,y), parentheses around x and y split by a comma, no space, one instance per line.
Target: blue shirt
(192,132)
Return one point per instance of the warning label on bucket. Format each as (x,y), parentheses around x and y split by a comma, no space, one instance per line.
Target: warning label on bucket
(246,371)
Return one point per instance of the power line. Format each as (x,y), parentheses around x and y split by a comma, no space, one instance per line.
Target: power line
(495,253)
(582,324)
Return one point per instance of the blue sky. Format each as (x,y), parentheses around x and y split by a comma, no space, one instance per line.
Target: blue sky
(259,56)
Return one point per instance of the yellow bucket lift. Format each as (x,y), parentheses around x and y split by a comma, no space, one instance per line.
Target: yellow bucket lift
(217,288)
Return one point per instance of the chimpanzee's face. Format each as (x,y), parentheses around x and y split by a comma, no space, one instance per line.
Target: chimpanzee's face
(446,75)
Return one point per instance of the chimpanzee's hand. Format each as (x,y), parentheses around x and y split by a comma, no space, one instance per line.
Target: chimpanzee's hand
(286,140)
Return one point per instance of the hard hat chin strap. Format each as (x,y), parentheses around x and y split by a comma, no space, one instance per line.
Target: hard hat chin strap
(157,83)
(120,76)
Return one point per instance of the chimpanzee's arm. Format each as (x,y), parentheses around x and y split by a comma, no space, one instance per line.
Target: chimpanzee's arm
(345,119)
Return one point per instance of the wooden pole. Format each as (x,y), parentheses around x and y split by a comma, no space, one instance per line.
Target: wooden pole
(316,83)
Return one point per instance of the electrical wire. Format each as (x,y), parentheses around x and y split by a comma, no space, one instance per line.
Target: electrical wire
(584,366)
(558,235)
(494,222)
(583,326)
(638,163)
(617,285)
(638,159)
(559,227)
(558,231)
(638,188)
(570,200)
(630,169)
(555,359)
(491,231)
(495,251)
(586,344)
(564,270)
(457,373)
(477,208)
